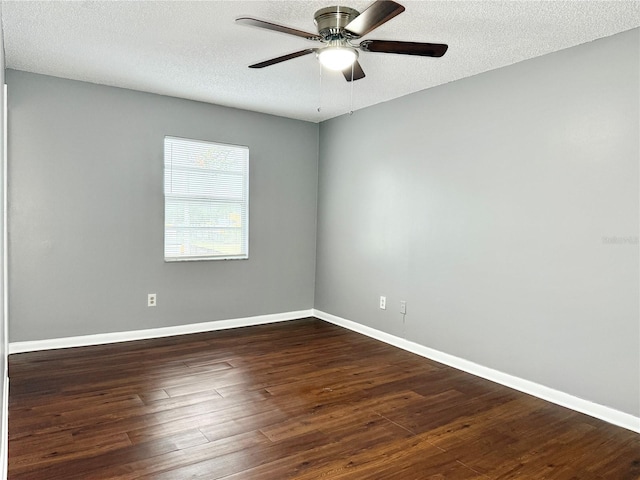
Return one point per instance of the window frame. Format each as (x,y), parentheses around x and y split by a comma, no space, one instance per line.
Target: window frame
(243,204)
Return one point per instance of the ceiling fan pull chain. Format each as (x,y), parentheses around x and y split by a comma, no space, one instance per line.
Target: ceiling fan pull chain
(320,90)
(351,105)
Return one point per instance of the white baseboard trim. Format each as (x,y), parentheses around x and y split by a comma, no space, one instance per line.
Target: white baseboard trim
(587,407)
(115,337)
(607,414)
(4,434)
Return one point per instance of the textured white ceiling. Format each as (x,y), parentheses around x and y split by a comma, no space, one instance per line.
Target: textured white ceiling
(195,50)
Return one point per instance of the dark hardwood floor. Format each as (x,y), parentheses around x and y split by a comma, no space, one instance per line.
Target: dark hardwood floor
(304,400)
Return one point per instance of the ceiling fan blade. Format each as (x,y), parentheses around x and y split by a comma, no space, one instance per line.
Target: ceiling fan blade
(283,58)
(254,22)
(356,74)
(375,15)
(404,48)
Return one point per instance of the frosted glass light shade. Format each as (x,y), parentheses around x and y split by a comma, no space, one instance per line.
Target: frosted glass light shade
(337,58)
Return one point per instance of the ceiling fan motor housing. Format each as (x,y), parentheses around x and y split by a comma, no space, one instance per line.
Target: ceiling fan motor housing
(332,20)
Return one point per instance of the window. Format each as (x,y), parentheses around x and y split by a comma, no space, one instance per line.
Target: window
(206,200)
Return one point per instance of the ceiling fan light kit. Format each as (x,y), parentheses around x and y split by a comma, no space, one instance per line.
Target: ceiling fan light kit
(337,57)
(338,27)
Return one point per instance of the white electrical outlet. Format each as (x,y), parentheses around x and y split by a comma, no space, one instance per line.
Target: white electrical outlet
(151,300)
(403,307)
(383,303)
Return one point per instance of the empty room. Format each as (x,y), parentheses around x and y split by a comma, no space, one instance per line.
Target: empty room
(275,240)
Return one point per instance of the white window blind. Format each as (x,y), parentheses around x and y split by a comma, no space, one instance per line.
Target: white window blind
(206,200)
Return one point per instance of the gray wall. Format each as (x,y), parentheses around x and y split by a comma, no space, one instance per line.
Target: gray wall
(3,319)
(485,204)
(86,212)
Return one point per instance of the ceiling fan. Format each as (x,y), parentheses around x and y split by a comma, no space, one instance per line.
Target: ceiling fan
(338,27)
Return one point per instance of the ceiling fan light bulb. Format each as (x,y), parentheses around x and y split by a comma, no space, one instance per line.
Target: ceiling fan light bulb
(337,58)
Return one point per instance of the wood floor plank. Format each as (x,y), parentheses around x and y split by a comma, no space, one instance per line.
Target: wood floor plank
(302,400)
